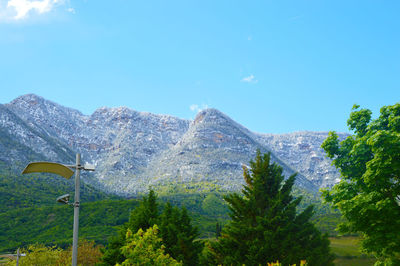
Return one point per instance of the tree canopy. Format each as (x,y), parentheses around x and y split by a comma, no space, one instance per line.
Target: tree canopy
(265,225)
(145,248)
(38,254)
(175,230)
(368,195)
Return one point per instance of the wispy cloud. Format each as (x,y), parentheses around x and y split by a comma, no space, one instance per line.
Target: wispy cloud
(21,9)
(197,108)
(71,10)
(249,79)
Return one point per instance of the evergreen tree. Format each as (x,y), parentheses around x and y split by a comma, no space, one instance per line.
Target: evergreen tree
(142,217)
(146,214)
(265,226)
(178,235)
(218,229)
(176,231)
(112,254)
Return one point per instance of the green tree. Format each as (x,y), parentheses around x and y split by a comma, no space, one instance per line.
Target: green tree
(368,194)
(142,217)
(146,214)
(39,254)
(213,204)
(145,248)
(265,226)
(176,230)
(218,229)
(88,254)
(178,235)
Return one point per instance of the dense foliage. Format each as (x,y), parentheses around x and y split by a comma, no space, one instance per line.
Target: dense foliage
(176,230)
(146,248)
(369,194)
(38,254)
(265,225)
(52,225)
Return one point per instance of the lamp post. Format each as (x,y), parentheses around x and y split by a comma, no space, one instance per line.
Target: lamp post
(66,172)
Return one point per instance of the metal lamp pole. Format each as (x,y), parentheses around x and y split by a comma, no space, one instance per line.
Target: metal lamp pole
(65,171)
(76,210)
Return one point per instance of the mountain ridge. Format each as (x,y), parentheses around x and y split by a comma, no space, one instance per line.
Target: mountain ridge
(133,150)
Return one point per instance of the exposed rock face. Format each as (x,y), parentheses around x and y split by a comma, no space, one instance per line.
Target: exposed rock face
(133,150)
(213,149)
(303,152)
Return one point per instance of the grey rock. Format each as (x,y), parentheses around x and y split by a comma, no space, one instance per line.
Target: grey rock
(303,152)
(134,150)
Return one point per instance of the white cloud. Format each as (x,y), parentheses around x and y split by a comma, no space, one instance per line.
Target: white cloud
(249,79)
(71,10)
(196,108)
(20,9)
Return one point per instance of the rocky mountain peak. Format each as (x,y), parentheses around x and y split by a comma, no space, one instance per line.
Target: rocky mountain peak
(211,115)
(28,99)
(34,103)
(133,150)
(215,127)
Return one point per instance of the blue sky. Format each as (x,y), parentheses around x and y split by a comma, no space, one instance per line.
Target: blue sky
(273,66)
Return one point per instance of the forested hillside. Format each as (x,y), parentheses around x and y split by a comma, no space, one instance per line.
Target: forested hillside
(31,214)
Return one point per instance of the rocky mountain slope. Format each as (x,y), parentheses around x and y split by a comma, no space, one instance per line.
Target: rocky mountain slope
(134,150)
(213,150)
(302,150)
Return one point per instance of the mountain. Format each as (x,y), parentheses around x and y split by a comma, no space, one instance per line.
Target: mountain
(213,150)
(134,150)
(302,150)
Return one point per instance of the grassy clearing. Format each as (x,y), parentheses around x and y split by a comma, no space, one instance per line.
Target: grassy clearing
(348,246)
(347,250)
(354,261)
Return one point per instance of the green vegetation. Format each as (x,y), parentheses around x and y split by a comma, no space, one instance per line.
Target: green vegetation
(348,251)
(41,219)
(265,225)
(35,190)
(176,231)
(145,248)
(29,213)
(38,254)
(52,225)
(369,194)
(348,246)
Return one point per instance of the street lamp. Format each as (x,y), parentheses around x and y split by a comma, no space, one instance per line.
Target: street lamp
(66,172)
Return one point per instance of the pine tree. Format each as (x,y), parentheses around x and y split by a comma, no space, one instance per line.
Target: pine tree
(178,235)
(218,229)
(176,231)
(142,217)
(146,214)
(265,226)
